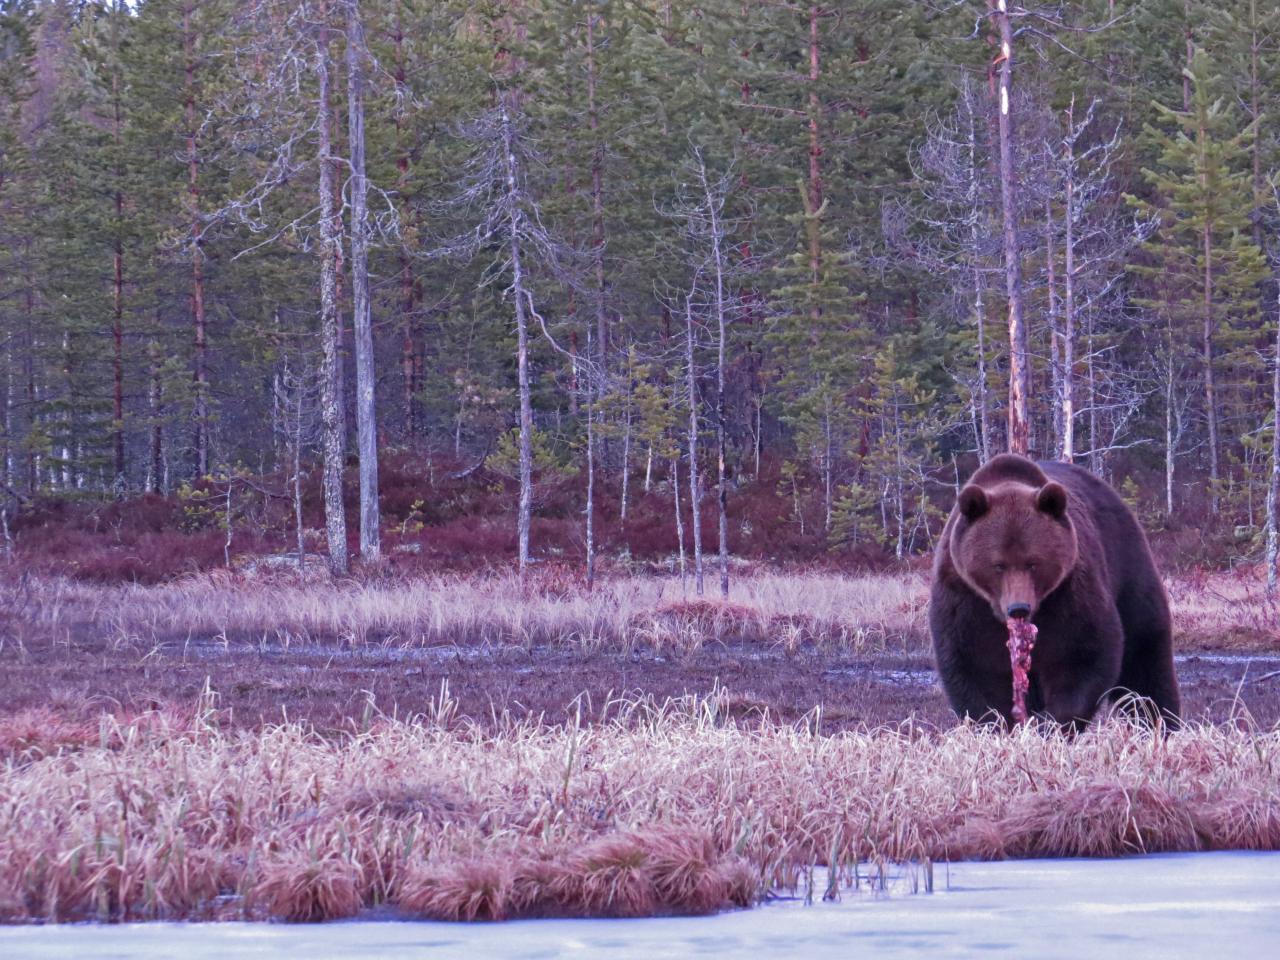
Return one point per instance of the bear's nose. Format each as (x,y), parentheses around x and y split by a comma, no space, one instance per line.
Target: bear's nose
(1019,611)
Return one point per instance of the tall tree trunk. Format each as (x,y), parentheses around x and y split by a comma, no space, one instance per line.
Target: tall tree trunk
(597,213)
(155,469)
(1255,118)
(117,299)
(815,191)
(519,294)
(675,493)
(716,228)
(1273,487)
(1170,437)
(1210,391)
(591,484)
(981,401)
(362,321)
(1055,330)
(695,484)
(1019,352)
(200,363)
(626,457)
(408,286)
(1067,381)
(332,413)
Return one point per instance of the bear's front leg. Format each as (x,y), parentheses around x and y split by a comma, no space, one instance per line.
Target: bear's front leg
(1075,671)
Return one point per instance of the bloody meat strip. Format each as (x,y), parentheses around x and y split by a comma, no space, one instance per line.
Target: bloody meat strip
(1022,637)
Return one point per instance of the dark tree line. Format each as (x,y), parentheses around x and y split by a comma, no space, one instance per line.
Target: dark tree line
(843,248)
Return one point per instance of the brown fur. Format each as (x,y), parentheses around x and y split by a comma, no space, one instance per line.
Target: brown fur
(1055,538)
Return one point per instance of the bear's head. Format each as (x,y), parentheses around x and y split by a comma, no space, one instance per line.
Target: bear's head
(1013,544)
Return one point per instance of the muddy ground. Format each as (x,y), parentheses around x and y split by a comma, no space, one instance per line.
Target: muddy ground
(335,687)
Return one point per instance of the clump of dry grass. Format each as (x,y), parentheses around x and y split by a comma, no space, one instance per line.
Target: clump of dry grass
(307,887)
(670,807)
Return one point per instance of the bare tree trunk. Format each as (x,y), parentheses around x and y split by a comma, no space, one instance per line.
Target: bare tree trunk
(408,286)
(1019,352)
(362,321)
(597,221)
(156,402)
(1255,116)
(591,481)
(519,295)
(1091,386)
(1055,331)
(117,312)
(717,260)
(331,403)
(675,493)
(1273,488)
(626,457)
(1169,436)
(1210,392)
(200,362)
(295,444)
(695,486)
(815,191)
(979,306)
(1067,380)
(827,467)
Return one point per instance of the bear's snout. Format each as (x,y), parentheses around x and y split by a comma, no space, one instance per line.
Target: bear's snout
(1017,597)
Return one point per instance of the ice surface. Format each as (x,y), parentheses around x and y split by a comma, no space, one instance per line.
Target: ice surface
(1170,906)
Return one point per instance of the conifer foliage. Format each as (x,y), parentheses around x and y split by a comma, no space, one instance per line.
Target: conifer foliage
(837,252)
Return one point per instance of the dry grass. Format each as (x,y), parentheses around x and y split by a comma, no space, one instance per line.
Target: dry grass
(862,614)
(666,808)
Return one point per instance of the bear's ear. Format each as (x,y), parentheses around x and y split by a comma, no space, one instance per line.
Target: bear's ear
(972,502)
(1052,499)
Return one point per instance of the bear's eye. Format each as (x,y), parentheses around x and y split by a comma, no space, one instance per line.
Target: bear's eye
(1000,568)
(1031,568)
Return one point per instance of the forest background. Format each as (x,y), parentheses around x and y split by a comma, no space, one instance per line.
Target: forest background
(446,283)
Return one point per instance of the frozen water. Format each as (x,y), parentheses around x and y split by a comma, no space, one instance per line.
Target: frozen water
(1169,906)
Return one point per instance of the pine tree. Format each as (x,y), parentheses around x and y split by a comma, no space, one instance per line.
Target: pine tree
(1202,251)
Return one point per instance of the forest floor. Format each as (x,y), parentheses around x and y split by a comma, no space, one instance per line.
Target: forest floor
(255,743)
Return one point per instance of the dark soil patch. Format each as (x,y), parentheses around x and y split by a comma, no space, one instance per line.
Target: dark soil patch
(334,687)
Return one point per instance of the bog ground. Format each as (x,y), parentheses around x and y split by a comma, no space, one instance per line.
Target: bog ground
(236,747)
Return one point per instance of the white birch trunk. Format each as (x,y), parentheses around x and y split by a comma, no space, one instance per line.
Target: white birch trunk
(362,321)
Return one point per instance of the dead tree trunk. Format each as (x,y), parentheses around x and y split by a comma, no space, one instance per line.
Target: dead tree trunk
(200,362)
(362,321)
(1273,488)
(591,484)
(981,401)
(1055,332)
(695,484)
(155,400)
(1066,383)
(1019,353)
(519,294)
(716,228)
(331,403)
(675,493)
(117,289)
(1207,331)
(408,286)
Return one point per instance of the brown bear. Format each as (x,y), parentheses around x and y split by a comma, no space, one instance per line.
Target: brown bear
(1052,542)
